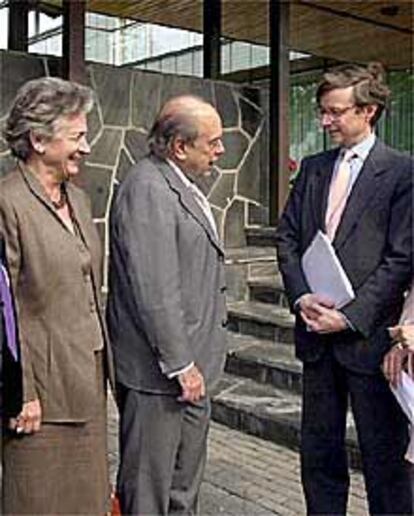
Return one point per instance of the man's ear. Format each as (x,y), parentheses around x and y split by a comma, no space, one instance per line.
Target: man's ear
(37,141)
(179,149)
(370,111)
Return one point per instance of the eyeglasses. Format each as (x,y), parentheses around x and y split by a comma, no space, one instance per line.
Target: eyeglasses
(334,113)
(215,144)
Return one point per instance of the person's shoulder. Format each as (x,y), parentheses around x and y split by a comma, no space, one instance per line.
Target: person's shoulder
(392,155)
(11,185)
(399,164)
(320,157)
(142,176)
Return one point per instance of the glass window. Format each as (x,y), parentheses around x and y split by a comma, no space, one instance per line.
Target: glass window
(4,24)
(241,56)
(185,64)
(260,56)
(168,65)
(198,63)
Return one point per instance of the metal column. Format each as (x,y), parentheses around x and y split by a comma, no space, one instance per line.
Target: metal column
(74,40)
(18,25)
(211,43)
(279,108)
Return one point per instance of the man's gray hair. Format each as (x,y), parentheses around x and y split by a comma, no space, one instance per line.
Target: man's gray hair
(368,83)
(38,105)
(177,118)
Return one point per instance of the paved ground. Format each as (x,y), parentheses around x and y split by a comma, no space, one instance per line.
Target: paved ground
(249,476)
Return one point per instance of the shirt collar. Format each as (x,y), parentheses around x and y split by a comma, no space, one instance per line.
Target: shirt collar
(179,172)
(363,148)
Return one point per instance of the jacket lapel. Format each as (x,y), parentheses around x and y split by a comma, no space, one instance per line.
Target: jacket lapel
(79,214)
(87,230)
(359,199)
(38,191)
(188,201)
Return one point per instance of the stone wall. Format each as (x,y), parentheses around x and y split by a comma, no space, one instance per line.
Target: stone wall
(127,102)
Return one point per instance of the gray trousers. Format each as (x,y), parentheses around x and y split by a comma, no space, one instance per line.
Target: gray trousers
(163,445)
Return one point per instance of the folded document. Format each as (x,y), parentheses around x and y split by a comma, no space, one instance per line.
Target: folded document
(324,272)
(404,392)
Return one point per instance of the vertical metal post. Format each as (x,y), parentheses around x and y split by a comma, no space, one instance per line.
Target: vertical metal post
(18,38)
(279,107)
(211,43)
(74,67)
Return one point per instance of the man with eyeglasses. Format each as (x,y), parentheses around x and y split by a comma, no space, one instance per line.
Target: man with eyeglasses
(360,195)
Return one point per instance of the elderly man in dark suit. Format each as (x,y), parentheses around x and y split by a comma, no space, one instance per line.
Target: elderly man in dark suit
(360,194)
(166,311)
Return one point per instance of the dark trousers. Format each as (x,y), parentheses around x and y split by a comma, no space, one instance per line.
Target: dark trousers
(162,453)
(382,431)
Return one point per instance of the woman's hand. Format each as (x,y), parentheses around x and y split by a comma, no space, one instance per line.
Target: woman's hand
(395,361)
(407,335)
(29,419)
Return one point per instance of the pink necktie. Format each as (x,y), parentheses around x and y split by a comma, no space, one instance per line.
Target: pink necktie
(338,194)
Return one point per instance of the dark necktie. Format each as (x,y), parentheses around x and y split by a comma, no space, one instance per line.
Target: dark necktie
(8,313)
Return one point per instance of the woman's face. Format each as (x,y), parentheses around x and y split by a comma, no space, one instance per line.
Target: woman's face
(64,152)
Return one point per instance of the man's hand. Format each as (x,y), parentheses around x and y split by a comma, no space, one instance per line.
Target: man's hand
(29,419)
(192,384)
(328,320)
(394,362)
(310,305)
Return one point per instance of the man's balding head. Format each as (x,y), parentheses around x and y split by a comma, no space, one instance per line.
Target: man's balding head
(184,123)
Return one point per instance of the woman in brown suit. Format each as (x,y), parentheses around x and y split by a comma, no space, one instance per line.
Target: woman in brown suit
(54,451)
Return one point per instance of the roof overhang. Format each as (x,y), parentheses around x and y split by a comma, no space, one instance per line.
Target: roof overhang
(357,31)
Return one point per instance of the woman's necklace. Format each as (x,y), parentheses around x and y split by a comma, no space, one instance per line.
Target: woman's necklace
(61,202)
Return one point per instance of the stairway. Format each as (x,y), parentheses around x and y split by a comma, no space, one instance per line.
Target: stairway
(259,392)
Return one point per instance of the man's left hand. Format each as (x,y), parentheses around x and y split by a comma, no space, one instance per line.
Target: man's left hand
(329,320)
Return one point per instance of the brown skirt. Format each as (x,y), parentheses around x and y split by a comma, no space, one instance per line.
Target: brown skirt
(62,469)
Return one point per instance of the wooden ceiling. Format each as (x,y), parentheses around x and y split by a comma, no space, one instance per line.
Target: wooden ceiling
(347,30)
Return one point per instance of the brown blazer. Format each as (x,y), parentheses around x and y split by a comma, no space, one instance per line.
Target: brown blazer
(56,316)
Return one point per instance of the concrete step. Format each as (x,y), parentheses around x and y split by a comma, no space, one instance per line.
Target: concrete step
(250,254)
(262,320)
(261,236)
(267,412)
(264,361)
(244,263)
(268,289)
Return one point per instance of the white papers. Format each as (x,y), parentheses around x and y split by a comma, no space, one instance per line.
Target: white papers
(404,392)
(324,272)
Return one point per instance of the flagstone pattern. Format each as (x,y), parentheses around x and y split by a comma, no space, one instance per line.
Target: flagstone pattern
(127,101)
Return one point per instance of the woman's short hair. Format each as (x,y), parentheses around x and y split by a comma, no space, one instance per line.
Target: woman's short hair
(368,85)
(38,105)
